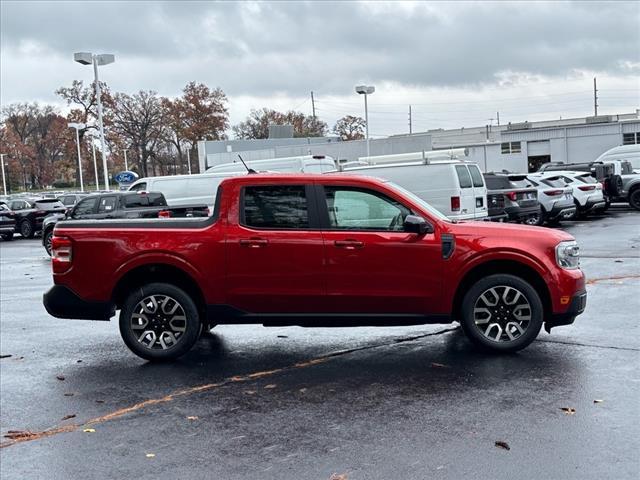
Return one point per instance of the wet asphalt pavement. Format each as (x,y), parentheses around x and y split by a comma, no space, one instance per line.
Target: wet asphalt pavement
(292,403)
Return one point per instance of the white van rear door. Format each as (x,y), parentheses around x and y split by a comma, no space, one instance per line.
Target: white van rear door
(479,191)
(466,198)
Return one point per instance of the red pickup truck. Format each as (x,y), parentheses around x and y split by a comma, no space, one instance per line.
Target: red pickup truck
(314,250)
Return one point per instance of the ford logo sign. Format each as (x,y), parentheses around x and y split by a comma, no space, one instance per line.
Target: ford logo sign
(125,177)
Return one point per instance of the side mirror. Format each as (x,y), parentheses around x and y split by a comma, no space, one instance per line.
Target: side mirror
(416,224)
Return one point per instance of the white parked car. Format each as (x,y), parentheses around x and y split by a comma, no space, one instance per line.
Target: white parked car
(555,197)
(586,190)
(453,187)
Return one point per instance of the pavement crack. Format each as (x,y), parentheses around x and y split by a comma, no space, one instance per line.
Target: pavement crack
(27,436)
(591,345)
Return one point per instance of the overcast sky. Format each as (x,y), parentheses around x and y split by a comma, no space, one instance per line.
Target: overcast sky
(456,63)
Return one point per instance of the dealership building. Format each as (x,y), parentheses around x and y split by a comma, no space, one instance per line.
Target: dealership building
(516,147)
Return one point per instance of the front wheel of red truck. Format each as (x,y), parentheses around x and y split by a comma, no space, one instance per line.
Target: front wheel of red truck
(159,322)
(502,313)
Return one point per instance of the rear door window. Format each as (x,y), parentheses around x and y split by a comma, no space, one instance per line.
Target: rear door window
(140,187)
(463,176)
(107,204)
(476,176)
(275,207)
(497,182)
(556,182)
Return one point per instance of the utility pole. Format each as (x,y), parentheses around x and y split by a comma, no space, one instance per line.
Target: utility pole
(410,125)
(313,106)
(498,117)
(595,98)
(188,160)
(95,164)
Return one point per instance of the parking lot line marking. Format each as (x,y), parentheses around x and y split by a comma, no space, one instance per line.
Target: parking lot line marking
(30,436)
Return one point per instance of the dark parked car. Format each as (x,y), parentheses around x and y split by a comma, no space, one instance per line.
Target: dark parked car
(504,198)
(119,205)
(30,213)
(7,222)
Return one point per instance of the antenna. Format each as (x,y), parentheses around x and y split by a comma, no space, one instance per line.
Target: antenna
(249,170)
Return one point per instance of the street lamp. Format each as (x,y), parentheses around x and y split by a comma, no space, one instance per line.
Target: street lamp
(4,181)
(366,90)
(78,127)
(95,164)
(86,58)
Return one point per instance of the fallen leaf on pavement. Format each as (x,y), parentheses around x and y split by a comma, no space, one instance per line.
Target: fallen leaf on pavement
(335,476)
(5,356)
(271,385)
(501,444)
(67,417)
(150,455)
(282,336)
(568,410)
(99,401)
(60,377)
(598,401)
(78,361)
(302,390)
(89,430)
(439,365)
(192,417)
(619,261)
(250,392)
(68,394)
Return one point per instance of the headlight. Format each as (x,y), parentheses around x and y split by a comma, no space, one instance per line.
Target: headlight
(568,254)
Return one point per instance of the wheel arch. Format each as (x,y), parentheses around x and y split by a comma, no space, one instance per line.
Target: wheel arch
(510,267)
(158,273)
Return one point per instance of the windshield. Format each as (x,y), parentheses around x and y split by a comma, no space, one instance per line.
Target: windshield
(418,201)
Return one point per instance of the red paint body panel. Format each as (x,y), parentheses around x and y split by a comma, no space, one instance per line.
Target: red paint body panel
(266,271)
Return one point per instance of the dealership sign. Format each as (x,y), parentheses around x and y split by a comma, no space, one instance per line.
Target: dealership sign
(125,178)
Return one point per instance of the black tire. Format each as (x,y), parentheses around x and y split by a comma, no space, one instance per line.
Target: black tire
(7,236)
(159,321)
(634,198)
(46,241)
(530,302)
(26,229)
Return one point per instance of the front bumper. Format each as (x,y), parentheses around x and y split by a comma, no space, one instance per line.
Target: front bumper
(7,228)
(576,307)
(62,302)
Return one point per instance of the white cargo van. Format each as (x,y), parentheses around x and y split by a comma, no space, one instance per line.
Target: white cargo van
(182,190)
(303,164)
(451,185)
(201,188)
(630,153)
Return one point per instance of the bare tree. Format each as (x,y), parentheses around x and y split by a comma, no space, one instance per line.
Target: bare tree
(257,124)
(350,128)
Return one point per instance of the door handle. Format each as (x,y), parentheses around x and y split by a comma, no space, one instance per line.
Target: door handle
(253,242)
(349,244)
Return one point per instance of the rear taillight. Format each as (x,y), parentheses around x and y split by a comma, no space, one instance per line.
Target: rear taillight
(553,193)
(61,253)
(512,196)
(586,188)
(164,214)
(455,204)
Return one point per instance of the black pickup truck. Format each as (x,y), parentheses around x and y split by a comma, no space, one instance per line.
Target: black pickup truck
(124,205)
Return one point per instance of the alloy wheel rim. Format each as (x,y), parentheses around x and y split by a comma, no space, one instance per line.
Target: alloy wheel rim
(502,314)
(158,322)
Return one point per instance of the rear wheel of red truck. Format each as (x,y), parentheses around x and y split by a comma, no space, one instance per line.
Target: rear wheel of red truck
(159,322)
(502,313)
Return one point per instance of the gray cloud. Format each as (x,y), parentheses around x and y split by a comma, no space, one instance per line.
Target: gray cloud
(260,48)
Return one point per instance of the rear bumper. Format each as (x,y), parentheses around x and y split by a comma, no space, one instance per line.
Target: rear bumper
(7,228)
(592,205)
(559,212)
(576,307)
(62,302)
(521,213)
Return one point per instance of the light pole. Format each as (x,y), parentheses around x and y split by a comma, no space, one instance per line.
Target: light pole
(126,164)
(4,181)
(366,90)
(86,58)
(95,164)
(78,127)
